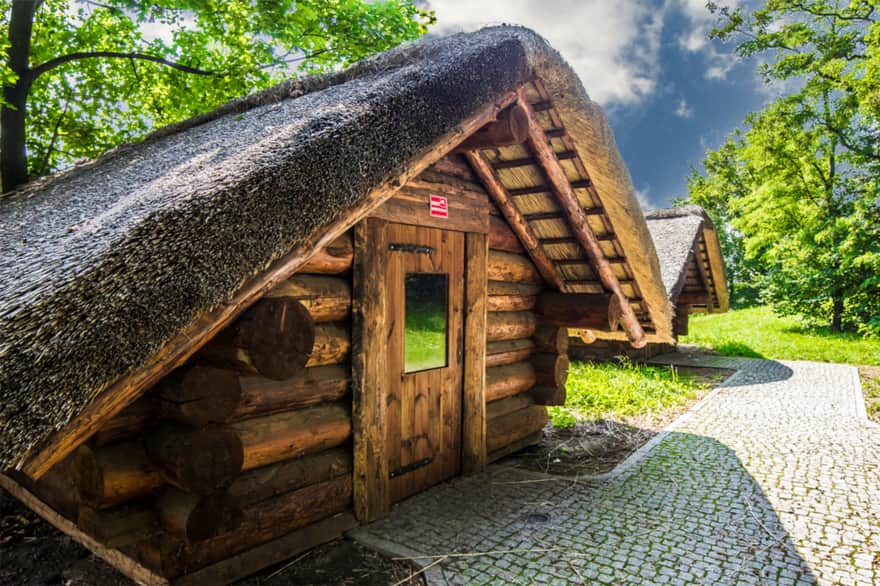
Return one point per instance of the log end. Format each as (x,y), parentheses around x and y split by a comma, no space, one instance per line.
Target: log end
(279,334)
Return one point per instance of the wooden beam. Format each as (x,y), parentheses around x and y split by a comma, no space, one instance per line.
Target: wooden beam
(369,352)
(579,310)
(688,298)
(178,349)
(510,128)
(578,224)
(515,219)
(473,424)
(583,184)
(526,161)
(114,557)
(707,280)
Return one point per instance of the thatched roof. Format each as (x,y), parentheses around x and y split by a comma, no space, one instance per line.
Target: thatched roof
(682,237)
(106,263)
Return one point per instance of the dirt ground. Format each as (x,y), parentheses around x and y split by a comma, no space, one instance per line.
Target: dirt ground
(33,553)
(870,376)
(596,447)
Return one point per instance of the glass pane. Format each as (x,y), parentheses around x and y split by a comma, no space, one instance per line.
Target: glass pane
(425,337)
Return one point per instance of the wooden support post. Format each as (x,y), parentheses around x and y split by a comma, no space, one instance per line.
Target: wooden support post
(680,321)
(473,424)
(369,351)
(579,225)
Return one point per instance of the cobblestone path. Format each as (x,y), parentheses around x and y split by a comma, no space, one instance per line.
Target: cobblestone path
(774,478)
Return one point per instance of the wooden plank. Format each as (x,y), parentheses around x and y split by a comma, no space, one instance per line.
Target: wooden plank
(273,552)
(467,212)
(369,353)
(473,423)
(114,557)
(178,349)
(579,225)
(515,219)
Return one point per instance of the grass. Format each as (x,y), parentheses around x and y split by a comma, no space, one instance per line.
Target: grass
(758,333)
(622,391)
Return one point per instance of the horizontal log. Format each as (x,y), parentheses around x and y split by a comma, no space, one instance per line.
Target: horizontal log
(192,517)
(551,370)
(506,288)
(197,460)
(503,431)
(508,352)
(326,298)
(553,339)
(128,423)
(263,522)
(114,474)
(335,258)
(270,481)
(510,325)
(583,335)
(579,310)
(332,345)
(286,547)
(282,436)
(273,338)
(119,526)
(514,268)
(548,395)
(511,302)
(221,396)
(509,380)
(508,405)
(510,128)
(57,487)
(501,237)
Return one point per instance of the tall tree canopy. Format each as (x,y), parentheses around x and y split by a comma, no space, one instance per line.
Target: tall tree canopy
(81,76)
(798,187)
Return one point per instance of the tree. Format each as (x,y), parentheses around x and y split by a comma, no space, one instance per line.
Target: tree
(799,185)
(81,76)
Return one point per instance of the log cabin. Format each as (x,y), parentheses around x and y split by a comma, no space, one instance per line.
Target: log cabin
(692,268)
(255,329)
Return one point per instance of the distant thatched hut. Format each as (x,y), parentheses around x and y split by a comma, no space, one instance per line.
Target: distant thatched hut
(692,268)
(254,329)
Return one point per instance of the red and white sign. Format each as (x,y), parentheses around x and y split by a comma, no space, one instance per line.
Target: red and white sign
(439,206)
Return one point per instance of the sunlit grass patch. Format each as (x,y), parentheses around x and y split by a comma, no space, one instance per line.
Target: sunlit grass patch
(758,333)
(620,391)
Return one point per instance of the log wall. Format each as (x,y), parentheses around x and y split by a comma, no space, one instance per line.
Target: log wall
(246,444)
(526,360)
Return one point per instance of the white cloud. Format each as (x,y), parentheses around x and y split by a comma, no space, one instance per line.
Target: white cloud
(696,38)
(613,46)
(684,109)
(643,195)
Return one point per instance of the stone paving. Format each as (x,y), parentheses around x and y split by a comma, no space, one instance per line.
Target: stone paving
(774,478)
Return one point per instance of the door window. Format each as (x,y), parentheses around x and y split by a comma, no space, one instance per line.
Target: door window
(426,321)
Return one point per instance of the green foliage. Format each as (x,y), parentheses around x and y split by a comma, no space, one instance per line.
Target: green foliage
(796,191)
(81,107)
(757,332)
(615,390)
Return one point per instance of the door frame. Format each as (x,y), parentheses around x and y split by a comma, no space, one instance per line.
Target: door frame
(369,351)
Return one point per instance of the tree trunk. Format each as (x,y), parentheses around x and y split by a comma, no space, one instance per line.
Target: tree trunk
(13,156)
(837,316)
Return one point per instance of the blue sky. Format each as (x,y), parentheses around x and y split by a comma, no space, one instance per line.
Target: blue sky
(668,90)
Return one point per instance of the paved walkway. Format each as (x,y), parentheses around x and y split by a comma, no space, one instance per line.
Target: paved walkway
(774,478)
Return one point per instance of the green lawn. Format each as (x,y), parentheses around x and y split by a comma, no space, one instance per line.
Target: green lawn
(622,391)
(758,333)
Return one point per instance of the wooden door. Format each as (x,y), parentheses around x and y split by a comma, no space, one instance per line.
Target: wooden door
(424,322)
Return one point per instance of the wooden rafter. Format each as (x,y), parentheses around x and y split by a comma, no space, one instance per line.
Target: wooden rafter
(705,277)
(517,222)
(578,223)
(176,351)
